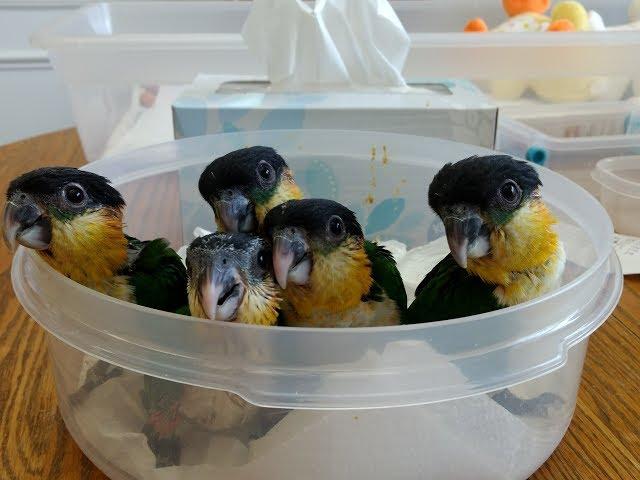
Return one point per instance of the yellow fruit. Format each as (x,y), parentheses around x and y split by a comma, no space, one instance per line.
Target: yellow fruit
(572,11)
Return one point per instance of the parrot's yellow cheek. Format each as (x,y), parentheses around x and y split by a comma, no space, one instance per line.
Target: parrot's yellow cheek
(525,254)
(89,248)
(338,281)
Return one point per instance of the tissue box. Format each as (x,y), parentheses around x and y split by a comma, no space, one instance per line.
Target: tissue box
(452,110)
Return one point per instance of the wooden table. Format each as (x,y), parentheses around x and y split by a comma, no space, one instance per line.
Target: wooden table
(603,441)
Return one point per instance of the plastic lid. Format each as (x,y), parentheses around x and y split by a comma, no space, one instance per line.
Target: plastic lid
(334,368)
(608,172)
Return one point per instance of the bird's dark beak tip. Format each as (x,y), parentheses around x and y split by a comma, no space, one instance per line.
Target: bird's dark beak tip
(26,225)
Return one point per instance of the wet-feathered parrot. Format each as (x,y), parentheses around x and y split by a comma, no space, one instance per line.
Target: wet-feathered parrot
(229,280)
(504,249)
(74,219)
(242,186)
(330,275)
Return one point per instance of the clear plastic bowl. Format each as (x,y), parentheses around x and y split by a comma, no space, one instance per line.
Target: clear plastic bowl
(109,54)
(407,402)
(619,181)
(570,140)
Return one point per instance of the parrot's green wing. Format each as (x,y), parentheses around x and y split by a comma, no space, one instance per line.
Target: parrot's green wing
(449,291)
(159,279)
(386,277)
(157,275)
(183,310)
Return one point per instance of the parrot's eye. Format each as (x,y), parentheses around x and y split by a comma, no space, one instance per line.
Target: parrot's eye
(266,174)
(336,227)
(263,257)
(509,194)
(74,194)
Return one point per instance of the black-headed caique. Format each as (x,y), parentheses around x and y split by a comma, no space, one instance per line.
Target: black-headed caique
(242,186)
(229,280)
(330,275)
(504,250)
(74,220)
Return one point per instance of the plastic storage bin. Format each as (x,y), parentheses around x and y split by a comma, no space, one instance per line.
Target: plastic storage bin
(125,62)
(571,140)
(619,181)
(392,402)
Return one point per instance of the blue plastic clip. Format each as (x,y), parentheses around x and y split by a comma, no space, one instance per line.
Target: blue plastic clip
(537,155)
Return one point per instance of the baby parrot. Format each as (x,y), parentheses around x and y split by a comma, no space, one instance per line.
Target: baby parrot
(504,250)
(74,220)
(242,186)
(229,280)
(331,276)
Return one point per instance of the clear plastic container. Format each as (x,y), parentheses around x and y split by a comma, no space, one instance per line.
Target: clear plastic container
(124,62)
(571,140)
(407,402)
(619,181)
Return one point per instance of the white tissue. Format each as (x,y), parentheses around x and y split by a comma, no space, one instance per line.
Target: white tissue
(596,22)
(197,232)
(336,43)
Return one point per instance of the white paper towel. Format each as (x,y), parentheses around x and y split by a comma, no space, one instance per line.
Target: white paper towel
(336,43)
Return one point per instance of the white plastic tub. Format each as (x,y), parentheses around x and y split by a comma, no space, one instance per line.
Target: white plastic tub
(406,402)
(110,53)
(570,140)
(619,181)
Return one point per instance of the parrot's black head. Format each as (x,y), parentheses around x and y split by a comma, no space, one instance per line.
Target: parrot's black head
(477,195)
(243,185)
(41,201)
(303,231)
(230,278)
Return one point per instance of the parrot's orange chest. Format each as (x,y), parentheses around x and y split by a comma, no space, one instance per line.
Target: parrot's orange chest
(334,296)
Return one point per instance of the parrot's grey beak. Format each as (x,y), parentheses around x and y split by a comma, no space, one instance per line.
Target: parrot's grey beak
(236,212)
(221,290)
(291,257)
(26,224)
(463,228)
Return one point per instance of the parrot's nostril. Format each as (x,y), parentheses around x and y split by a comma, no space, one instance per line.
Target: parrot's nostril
(224,261)
(22,197)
